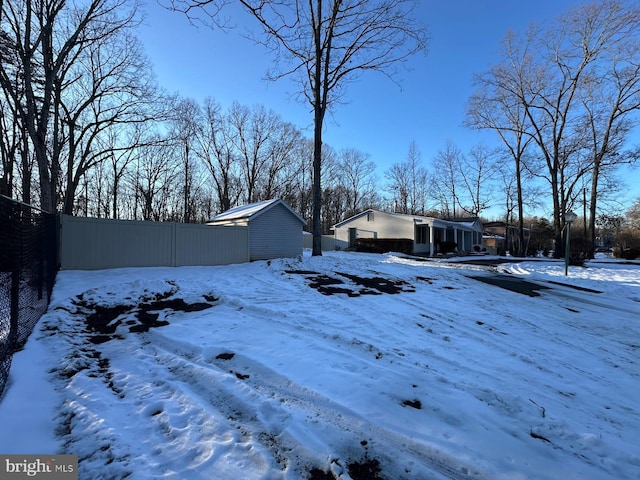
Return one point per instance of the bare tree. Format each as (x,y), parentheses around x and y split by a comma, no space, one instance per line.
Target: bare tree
(399,184)
(156,171)
(300,197)
(356,176)
(496,106)
(633,217)
(217,153)
(11,140)
(185,126)
(326,45)
(252,130)
(408,183)
(281,167)
(477,172)
(445,179)
(554,74)
(47,37)
(111,90)
(609,96)
(135,137)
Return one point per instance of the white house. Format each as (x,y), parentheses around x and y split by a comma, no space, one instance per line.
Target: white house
(275,230)
(426,232)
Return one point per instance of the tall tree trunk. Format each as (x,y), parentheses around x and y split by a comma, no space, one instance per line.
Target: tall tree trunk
(317,136)
(593,202)
(521,252)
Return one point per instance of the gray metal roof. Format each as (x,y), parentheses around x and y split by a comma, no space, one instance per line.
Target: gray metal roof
(252,210)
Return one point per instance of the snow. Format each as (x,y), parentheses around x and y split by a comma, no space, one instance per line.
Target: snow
(451,377)
(244,211)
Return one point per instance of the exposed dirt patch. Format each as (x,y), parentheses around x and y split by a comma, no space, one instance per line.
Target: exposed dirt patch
(94,365)
(103,322)
(417,404)
(539,437)
(101,318)
(425,279)
(357,285)
(368,469)
(317,474)
(225,356)
(382,285)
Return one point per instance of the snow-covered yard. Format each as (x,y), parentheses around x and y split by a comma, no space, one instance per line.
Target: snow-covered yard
(336,367)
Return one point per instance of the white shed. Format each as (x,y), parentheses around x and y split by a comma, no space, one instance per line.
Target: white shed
(275,230)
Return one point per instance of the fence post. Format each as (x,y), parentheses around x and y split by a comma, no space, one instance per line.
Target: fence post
(16,264)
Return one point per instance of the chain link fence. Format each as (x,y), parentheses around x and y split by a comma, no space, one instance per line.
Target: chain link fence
(28,265)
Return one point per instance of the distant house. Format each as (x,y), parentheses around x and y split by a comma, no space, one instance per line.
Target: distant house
(275,230)
(427,233)
(503,237)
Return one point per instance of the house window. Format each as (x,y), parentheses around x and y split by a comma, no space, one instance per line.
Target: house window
(422,234)
(369,216)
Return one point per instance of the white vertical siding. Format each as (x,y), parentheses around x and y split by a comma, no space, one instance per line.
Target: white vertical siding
(93,243)
(210,244)
(275,233)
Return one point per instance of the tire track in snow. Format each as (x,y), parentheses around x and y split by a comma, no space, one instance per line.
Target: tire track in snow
(264,400)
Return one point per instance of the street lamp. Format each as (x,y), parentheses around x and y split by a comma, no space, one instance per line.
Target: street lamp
(569,218)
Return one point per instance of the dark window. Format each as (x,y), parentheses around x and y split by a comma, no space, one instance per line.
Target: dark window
(422,234)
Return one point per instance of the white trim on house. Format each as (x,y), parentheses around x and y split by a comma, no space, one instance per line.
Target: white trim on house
(425,232)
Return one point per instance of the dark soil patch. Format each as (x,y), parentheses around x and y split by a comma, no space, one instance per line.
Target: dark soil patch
(417,404)
(327,285)
(225,356)
(539,437)
(101,318)
(301,272)
(103,322)
(317,474)
(98,339)
(425,279)
(367,470)
(176,304)
(382,285)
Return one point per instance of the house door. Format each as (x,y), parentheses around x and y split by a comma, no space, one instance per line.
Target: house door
(437,238)
(353,233)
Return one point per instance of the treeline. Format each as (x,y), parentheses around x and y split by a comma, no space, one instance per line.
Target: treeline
(564,99)
(209,159)
(85,130)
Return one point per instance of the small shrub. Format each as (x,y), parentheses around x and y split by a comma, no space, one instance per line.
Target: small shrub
(447,247)
(384,245)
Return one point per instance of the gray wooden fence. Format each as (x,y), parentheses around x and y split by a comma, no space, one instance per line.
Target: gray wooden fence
(97,243)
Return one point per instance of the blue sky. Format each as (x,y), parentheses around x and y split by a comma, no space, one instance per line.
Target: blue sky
(380,118)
